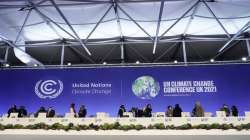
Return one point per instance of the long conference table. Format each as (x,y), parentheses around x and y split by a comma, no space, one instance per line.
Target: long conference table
(176,121)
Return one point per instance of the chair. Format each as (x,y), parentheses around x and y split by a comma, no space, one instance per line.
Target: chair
(208,114)
(220,114)
(159,114)
(69,115)
(247,113)
(42,115)
(5,116)
(13,115)
(128,114)
(185,114)
(102,115)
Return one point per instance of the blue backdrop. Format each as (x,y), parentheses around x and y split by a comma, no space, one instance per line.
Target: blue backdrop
(104,89)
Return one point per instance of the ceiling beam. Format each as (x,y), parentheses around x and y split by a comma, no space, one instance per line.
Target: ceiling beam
(245,27)
(136,23)
(70,26)
(190,20)
(216,18)
(97,24)
(10,44)
(184,14)
(48,20)
(158,26)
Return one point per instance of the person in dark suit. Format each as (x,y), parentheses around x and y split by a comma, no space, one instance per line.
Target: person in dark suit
(134,111)
(225,109)
(82,112)
(177,111)
(234,111)
(50,113)
(22,112)
(13,109)
(169,111)
(140,113)
(121,110)
(41,110)
(147,111)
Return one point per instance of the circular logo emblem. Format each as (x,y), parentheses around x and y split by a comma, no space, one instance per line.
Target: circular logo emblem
(48,88)
(146,87)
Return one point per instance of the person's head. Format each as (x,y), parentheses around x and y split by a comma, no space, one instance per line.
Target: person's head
(42,108)
(170,107)
(122,106)
(50,108)
(234,107)
(225,106)
(82,107)
(148,105)
(197,104)
(72,105)
(13,106)
(177,106)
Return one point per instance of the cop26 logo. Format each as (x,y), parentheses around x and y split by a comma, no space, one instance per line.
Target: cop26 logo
(48,88)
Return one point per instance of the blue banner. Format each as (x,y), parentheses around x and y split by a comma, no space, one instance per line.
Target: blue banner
(105,89)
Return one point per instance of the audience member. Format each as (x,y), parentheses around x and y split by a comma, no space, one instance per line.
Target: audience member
(72,109)
(147,111)
(225,109)
(121,111)
(134,111)
(177,111)
(140,113)
(50,113)
(82,112)
(198,110)
(13,109)
(169,111)
(41,110)
(234,111)
(22,112)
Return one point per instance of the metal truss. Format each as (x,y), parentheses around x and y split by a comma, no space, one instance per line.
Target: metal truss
(158,26)
(116,5)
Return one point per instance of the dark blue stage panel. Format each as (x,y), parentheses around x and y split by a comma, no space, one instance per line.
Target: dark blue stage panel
(104,89)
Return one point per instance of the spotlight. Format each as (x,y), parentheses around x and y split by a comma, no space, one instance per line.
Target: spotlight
(175,61)
(69,64)
(104,63)
(137,62)
(211,60)
(244,59)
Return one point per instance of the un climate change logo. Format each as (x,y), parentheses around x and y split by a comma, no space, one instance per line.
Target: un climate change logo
(146,87)
(48,88)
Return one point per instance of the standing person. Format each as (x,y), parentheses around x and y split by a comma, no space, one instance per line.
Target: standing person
(50,113)
(148,111)
(225,109)
(13,109)
(22,112)
(177,111)
(121,110)
(169,111)
(198,110)
(234,111)
(82,112)
(72,109)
